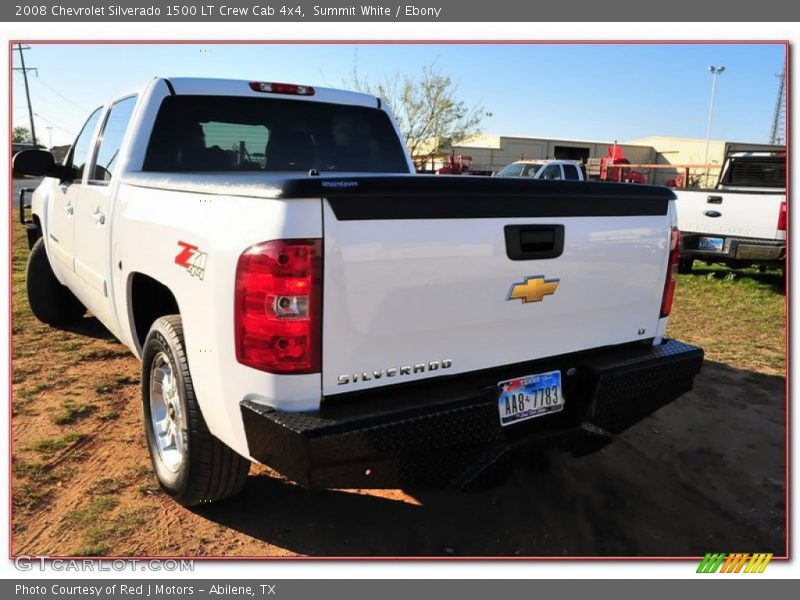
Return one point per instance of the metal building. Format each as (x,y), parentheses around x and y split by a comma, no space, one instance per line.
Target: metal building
(492,152)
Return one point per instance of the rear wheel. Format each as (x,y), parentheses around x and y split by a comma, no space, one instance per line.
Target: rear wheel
(192,465)
(685,265)
(50,302)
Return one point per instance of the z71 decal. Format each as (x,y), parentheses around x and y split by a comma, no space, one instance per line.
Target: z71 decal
(192,259)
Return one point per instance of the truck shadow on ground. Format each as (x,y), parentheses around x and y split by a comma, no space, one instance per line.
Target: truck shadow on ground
(706,472)
(90,327)
(775,281)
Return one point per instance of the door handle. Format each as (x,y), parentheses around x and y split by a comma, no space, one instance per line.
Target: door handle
(69,209)
(98,218)
(714,200)
(529,242)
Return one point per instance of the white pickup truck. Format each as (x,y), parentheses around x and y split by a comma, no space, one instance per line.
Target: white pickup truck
(545,168)
(300,298)
(742,221)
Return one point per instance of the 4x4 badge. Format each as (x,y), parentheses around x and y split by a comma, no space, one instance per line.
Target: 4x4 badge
(192,259)
(533,289)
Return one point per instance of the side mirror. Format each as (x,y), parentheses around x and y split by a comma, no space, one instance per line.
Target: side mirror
(40,163)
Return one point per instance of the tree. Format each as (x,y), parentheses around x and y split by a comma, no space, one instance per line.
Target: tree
(428,112)
(21,134)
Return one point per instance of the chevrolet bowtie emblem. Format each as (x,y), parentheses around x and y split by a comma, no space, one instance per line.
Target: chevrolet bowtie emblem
(533,289)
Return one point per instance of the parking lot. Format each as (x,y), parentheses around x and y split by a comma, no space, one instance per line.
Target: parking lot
(706,473)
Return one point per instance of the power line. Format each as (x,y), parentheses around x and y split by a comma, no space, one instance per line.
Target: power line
(60,95)
(56,125)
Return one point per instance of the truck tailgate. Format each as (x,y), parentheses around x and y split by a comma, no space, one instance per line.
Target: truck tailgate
(731,213)
(420,283)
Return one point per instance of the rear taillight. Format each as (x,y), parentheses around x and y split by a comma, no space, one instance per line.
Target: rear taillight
(270,87)
(278,312)
(672,271)
(782,217)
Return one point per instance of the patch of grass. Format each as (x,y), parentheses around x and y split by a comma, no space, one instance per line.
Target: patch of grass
(21,408)
(96,550)
(107,485)
(77,455)
(94,354)
(50,446)
(149,490)
(23,468)
(109,415)
(35,482)
(103,531)
(19,376)
(33,390)
(113,383)
(90,516)
(48,381)
(71,346)
(31,494)
(737,316)
(142,470)
(72,411)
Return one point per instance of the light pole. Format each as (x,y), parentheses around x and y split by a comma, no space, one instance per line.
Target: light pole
(50,134)
(714,72)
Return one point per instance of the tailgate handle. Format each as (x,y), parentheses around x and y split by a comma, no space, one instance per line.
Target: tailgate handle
(530,242)
(715,199)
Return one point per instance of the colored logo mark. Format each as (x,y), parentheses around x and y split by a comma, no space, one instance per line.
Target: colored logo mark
(532,289)
(737,562)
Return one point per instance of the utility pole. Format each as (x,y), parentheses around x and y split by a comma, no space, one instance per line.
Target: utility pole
(24,70)
(715,71)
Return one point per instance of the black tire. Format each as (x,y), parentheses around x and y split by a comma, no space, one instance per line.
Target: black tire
(50,302)
(209,470)
(685,265)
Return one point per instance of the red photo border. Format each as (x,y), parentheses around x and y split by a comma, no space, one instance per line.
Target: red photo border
(520,42)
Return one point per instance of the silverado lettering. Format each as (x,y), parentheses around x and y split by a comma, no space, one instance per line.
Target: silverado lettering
(392,372)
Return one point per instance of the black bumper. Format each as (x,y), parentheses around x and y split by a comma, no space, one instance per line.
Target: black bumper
(447,432)
(735,249)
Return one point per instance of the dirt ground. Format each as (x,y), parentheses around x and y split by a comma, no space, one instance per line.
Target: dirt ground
(705,473)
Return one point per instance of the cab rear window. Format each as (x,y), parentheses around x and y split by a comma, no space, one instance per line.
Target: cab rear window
(767,172)
(223,133)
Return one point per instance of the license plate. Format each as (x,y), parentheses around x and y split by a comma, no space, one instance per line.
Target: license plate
(529,397)
(712,244)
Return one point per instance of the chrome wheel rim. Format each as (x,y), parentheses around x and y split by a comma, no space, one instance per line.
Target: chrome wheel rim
(166,417)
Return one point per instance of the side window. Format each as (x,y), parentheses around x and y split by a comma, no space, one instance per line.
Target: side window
(512,170)
(111,140)
(552,172)
(79,154)
(571,172)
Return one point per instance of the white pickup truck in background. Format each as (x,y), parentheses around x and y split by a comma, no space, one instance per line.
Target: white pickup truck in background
(300,298)
(544,168)
(742,221)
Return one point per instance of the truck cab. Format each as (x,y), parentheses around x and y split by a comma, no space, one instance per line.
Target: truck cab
(548,169)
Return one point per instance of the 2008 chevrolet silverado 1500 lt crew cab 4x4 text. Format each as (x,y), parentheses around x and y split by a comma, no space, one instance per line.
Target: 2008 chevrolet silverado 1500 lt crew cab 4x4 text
(300,298)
